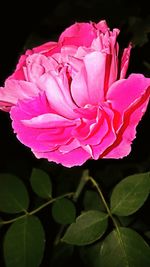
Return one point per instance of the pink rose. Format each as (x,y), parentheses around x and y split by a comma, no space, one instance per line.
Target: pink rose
(69,101)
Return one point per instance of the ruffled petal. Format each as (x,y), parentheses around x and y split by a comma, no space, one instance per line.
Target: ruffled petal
(47,49)
(79,34)
(95,74)
(126,134)
(15,90)
(125,61)
(37,65)
(79,90)
(19,73)
(57,91)
(91,132)
(102,26)
(48,120)
(125,92)
(108,138)
(38,129)
(76,157)
(88,84)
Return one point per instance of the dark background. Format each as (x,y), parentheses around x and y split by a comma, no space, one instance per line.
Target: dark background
(27,23)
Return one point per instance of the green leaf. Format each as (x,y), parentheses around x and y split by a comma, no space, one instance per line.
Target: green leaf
(130,194)
(41,183)
(13,194)
(92,201)
(63,211)
(24,243)
(124,249)
(89,227)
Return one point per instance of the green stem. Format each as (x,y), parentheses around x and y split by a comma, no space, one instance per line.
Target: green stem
(49,202)
(84,179)
(58,236)
(38,209)
(95,184)
(108,211)
(13,220)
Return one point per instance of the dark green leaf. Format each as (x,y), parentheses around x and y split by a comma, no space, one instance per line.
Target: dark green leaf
(124,249)
(41,183)
(13,194)
(63,211)
(92,201)
(89,227)
(24,243)
(130,194)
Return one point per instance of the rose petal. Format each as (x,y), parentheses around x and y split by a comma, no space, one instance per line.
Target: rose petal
(47,49)
(122,146)
(75,157)
(125,61)
(57,91)
(79,34)
(88,85)
(125,92)
(40,132)
(95,75)
(109,137)
(102,26)
(48,121)
(15,90)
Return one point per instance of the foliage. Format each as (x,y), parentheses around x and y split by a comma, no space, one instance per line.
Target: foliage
(79,229)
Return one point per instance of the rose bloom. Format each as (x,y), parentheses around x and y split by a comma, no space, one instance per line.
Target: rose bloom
(69,101)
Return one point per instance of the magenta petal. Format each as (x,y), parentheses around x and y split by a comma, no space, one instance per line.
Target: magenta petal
(127,133)
(25,110)
(15,90)
(26,135)
(19,73)
(44,48)
(80,34)
(125,61)
(125,92)
(88,84)
(79,88)
(48,121)
(73,144)
(37,65)
(102,26)
(75,157)
(95,75)
(38,129)
(109,137)
(92,132)
(57,91)
(48,139)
